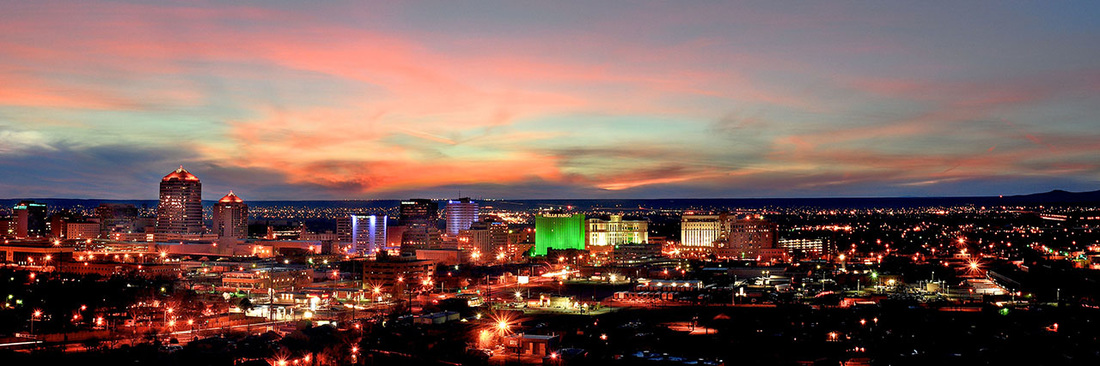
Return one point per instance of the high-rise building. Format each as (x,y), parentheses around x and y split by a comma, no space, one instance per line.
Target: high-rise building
(558,231)
(616,231)
(461,214)
(231,218)
(30,218)
(368,233)
(698,233)
(180,208)
(419,217)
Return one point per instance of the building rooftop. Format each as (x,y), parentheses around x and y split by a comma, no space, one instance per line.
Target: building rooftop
(180,174)
(230,198)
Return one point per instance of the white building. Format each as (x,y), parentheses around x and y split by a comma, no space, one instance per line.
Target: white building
(616,231)
(698,232)
(368,233)
(460,215)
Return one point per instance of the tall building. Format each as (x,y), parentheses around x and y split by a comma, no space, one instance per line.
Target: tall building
(419,217)
(231,218)
(616,231)
(698,233)
(460,215)
(180,208)
(558,231)
(368,233)
(30,219)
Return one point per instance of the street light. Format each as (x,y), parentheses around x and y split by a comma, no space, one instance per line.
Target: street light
(37,314)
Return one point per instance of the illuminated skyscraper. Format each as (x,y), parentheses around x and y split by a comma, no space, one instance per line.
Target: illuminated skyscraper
(558,231)
(231,218)
(460,214)
(419,216)
(368,233)
(180,208)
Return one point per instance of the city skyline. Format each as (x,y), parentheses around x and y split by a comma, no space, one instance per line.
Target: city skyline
(347,100)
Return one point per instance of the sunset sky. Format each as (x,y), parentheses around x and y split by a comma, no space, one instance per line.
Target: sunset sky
(549,99)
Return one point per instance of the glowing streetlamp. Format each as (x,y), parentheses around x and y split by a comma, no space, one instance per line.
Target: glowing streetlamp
(37,314)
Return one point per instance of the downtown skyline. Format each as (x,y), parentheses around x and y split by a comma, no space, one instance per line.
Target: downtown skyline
(347,100)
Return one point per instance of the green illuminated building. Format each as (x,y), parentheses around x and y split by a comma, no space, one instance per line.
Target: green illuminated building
(558,231)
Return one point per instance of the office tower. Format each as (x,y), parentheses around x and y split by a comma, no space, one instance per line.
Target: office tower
(698,233)
(419,217)
(180,208)
(558,231)
(231,218)
(368,233)
(30,218)
(460,215)
(616,231)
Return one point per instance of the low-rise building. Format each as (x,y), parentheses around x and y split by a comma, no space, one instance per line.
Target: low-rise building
(387,273)
(261,279)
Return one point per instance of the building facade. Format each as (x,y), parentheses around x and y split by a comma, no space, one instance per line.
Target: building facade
(616,231)
(180,208)
(698,233)
(117,218)
(396,275)
(419,217)
(486,237)
(82,230)
(558,231)
(30,220)
(231,219)
(747,238)
(368,233)
(259,280)
(460,214)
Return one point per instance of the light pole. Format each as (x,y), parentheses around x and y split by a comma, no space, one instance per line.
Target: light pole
(37,314)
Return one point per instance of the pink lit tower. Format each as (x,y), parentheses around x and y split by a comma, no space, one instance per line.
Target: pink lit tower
(230,219)
(180,208)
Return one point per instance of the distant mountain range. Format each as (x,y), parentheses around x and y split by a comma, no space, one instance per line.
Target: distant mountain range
(1057,196)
